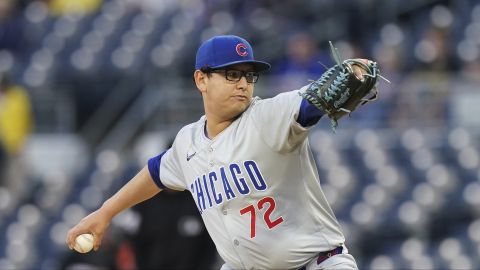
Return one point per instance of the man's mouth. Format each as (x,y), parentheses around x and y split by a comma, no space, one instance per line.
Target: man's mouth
(240,97)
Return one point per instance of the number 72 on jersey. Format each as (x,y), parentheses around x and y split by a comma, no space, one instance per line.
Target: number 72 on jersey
(252,210)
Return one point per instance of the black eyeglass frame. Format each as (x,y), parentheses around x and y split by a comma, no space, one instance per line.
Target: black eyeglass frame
(250,76)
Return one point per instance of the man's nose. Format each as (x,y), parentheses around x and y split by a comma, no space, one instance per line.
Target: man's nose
(242,83)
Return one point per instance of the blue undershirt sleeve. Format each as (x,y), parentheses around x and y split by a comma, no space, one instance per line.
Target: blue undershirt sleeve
(308,114)
(154,169)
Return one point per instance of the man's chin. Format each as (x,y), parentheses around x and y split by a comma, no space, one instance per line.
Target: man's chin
(238,111)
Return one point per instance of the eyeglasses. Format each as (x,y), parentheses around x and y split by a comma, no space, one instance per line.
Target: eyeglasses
(236,75)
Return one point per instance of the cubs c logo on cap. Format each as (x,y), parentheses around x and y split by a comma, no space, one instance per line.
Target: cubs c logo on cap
(241,49)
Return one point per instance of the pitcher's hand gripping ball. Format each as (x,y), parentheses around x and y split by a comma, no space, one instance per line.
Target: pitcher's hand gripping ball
(84,243)
(339,92)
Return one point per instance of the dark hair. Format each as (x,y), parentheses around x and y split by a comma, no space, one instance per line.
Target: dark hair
(206,70)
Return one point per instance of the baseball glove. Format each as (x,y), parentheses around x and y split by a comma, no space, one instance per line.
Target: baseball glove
(339,92)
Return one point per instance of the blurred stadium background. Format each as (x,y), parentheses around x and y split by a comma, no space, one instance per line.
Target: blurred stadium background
(109,84)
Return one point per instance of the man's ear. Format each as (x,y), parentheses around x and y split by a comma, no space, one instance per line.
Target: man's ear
(200,80)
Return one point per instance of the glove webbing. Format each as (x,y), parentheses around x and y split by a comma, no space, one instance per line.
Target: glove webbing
(312,95)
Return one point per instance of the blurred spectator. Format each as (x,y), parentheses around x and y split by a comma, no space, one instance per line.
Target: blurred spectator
(172,212)
(15,124)
(380,112)
(11,28)
(300,64)
(15,115)
(60,7)
(3,161)
(172,234)
(422,100)
(433,49)
(470,71)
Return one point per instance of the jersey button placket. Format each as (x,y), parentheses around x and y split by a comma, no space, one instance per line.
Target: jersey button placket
(211,163)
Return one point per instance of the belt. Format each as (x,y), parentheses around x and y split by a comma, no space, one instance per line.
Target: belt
(322,256)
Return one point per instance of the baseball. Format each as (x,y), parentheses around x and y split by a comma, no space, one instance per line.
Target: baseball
(84,243)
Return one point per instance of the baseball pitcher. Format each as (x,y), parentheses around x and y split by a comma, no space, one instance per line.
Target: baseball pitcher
(248,165)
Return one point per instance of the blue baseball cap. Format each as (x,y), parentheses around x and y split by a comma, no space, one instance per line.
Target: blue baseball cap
(222,51)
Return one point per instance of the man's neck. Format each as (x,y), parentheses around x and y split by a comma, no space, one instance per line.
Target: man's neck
(213,128)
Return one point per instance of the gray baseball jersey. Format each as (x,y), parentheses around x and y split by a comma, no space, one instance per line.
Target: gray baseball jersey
(256,186)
